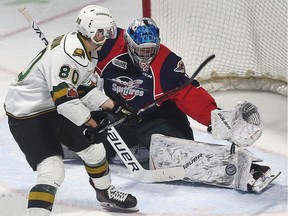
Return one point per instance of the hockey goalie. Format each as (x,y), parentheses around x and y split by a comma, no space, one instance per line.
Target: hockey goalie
(214,164)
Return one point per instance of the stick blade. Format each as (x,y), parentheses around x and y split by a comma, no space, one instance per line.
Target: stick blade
(161,175)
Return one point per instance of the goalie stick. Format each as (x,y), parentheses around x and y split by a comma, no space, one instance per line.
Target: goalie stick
(135,168)
(141,174)
(168,94)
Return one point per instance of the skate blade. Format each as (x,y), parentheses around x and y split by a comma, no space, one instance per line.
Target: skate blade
(269,177)
(113,208)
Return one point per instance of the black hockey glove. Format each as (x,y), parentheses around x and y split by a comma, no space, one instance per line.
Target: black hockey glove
(99,133)
(122,109)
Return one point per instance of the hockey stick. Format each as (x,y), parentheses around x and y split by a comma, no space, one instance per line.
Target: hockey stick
(22,9)
(166,95)
(138,172)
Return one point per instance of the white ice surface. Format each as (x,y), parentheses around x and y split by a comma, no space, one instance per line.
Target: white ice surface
(19,44)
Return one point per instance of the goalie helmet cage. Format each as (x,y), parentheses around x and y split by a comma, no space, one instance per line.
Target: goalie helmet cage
(248,37)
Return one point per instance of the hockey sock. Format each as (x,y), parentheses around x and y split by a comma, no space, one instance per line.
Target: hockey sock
(42,196)
(99,174)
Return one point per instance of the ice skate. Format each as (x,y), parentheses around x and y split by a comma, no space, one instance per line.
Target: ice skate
(113,199)
(261,177)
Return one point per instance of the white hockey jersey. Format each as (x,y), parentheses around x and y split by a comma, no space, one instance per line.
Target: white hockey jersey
(60,77)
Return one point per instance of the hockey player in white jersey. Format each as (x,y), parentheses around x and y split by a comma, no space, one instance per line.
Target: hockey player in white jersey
(55,101)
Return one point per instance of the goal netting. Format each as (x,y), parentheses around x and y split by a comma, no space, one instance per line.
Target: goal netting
(248,37)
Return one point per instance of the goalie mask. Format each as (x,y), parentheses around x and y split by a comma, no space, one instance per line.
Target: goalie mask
(92,19)
(143,42)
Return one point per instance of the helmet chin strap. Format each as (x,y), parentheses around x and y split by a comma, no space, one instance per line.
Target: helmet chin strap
(99,43)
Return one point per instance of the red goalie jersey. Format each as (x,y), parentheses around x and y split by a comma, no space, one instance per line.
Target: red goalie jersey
(141,87)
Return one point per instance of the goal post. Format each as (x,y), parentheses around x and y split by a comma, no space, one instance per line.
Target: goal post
(248,37)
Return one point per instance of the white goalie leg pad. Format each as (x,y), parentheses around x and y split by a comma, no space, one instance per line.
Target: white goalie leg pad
(203,162)
(51,171)
(241,125)
(92,156)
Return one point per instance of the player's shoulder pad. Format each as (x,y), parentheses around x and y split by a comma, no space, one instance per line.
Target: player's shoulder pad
(164,49)
(74,48)
(172,60)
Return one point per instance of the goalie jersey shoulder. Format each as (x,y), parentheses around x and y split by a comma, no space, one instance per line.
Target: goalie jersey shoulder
(73,47)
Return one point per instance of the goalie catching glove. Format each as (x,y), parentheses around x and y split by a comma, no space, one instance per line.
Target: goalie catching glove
(240,125)
(99,133)
(122,109)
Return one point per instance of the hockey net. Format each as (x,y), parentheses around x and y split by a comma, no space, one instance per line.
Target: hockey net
(248,37)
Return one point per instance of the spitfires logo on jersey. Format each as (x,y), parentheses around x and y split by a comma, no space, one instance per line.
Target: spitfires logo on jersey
(180,67)
(127,87)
